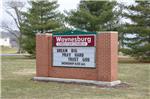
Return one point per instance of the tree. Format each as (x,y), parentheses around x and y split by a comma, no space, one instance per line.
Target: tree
(40,18)
(99,16)
(93,16)
(137,33)
(14,9)
(120,24)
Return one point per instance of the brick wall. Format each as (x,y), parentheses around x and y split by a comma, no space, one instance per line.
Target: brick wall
(42,55)
(106,59)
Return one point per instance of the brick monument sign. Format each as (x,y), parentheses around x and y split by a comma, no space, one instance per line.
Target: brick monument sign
(77,56)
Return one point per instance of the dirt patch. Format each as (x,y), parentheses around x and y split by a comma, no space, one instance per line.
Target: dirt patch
(25,72)
(122,85)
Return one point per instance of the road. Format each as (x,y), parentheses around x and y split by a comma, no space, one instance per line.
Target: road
(12,54)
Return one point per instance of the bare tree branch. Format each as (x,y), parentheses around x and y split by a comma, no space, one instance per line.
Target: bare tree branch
(10,30)
(14,10)
(14,18)
(16,7)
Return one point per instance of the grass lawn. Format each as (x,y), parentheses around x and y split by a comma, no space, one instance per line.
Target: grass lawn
(17,72)
(7,50)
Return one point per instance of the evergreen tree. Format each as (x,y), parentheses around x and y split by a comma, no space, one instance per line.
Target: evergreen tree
(120,25)
(41,17)
(93,16)
(137,33)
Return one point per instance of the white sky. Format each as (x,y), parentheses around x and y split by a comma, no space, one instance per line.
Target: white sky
(63,5)
(67,4)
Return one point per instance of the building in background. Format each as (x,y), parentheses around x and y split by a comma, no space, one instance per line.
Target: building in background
(8,40)
(5,42)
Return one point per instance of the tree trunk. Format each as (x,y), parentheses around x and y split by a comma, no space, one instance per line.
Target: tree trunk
(20,50)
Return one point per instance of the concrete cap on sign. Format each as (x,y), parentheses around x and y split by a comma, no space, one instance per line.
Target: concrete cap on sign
(106,32)
(80,81)
(48,34)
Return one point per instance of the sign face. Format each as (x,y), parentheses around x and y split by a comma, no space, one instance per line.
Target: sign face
(80,40)
(74,50)
(74,56)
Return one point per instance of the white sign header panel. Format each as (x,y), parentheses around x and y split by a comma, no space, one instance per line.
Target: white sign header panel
(74,56)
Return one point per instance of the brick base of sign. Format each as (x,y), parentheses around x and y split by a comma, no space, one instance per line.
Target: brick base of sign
(79,81)
(106,60)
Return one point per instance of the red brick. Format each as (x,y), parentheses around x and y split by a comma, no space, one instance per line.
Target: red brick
(42,55)
(106,60)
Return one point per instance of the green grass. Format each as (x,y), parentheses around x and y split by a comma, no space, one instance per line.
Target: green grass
(17,72)
(7,50)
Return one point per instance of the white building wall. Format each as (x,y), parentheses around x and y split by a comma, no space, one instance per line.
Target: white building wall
(5,42)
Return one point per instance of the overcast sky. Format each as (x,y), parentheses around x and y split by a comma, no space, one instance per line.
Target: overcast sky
(63,5)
